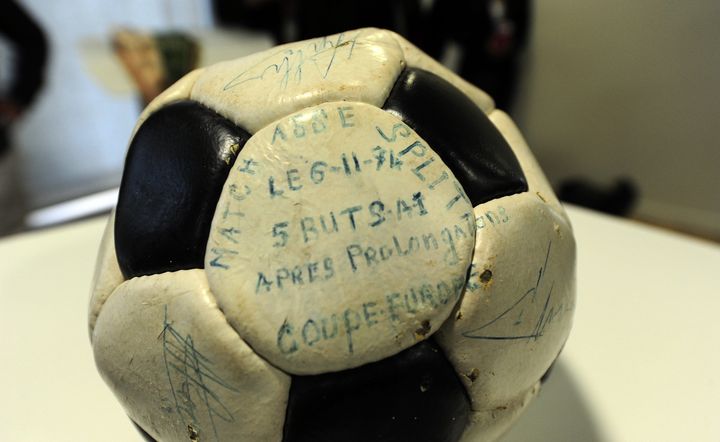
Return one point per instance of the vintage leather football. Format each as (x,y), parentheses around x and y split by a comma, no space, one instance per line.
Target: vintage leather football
(332,240)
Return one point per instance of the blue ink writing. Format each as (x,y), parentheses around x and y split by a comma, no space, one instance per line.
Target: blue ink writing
(515,313)
(363,317)
(193,383)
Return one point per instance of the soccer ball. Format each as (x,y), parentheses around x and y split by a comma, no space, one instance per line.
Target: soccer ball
(332,240)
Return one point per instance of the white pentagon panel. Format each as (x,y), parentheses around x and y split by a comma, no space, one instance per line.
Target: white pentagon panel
(180,370)
(254,91)
(340,238)
(107,273)
(517,308)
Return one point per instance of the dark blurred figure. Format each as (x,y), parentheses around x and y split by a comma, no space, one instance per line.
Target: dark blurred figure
(29,48)
(291,20)
(323,17)
(490,34)
(616,199)
(28,64)
(259,15)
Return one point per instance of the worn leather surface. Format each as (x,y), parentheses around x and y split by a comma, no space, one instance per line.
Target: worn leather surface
(175,168)
(413,396)
(460,133)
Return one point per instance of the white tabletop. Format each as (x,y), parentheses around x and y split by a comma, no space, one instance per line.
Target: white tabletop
(642,362)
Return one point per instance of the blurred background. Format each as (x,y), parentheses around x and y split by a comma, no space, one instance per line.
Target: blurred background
(617,99)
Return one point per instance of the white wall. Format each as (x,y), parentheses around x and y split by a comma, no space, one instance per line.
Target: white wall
(630,88)
(73,140)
